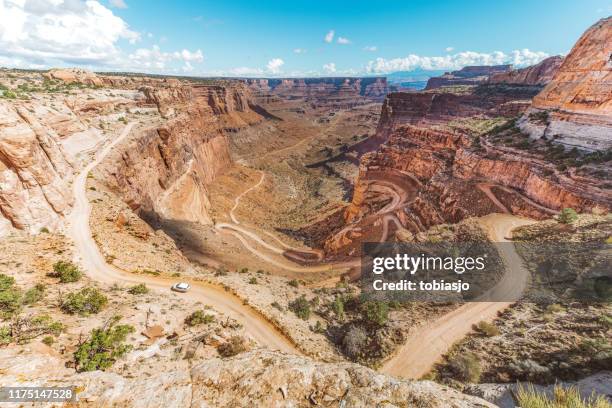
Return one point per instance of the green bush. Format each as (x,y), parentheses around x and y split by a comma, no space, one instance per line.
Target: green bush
(466,367)
(48,340)
(35,294)
(253,281)
(199,317)
(294,283)
(375,312)
(5,335)
(66,271)
(140,289)
(104,346)
(301,307)
(10,297)
(567,216)
(487,329)
(84,302)
(528,397)
(338,307)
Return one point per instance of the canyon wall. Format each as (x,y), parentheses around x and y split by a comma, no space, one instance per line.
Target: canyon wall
(471,75)
(165,170)
(35,171)
(577,103)
(335,92)
(539,74)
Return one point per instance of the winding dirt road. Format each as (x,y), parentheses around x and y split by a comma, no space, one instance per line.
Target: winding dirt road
(428,344)
(96,268)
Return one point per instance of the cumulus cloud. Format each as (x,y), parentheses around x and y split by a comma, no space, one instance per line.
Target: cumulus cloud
(370,48)
(519,58)
(246,71)
(118,4)
(329,68)
(155,59)
(299,51)
(70,31)
(343,40)
(274,65)
(449,49)
(329,37)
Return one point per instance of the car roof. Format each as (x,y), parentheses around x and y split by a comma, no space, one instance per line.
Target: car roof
(182,285)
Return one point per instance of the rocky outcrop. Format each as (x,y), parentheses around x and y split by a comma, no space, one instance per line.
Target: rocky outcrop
(539,74)
(74,75)
(577,103)
(165,171)
(330,92)
(258,378)
(471,75)
(35,172)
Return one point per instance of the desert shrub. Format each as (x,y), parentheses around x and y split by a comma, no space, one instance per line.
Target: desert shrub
(44,230)
(199,317)
(235,345)
(354,341)
(277,305)
(34,295)
(23,329)
(294,283)
(84,302)
(567,216)
(104,346)
(488,329)
(10,297)
(253,281)
(375,312)
(301,307)
(528,397)
(466,367)
(555,308)
(338,307)
(140,289)
(48,340)
(5,335)
(66,271)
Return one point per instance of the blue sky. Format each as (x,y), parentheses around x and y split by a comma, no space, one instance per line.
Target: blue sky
(288,38)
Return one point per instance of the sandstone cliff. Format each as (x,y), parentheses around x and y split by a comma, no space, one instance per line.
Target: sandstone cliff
(35,172)
(471,75)
(577,103)
(166,170)
(539,74)
(258,378)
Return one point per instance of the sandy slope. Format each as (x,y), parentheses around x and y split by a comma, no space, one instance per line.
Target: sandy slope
(96,267)
(427,345)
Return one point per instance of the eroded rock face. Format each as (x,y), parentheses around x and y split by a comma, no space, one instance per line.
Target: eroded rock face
(259,378)
(166,170)
(539,74)
(577,102)
(35,172)
(472,75)
(331,92)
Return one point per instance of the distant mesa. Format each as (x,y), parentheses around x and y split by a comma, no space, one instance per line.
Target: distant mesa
(471,75)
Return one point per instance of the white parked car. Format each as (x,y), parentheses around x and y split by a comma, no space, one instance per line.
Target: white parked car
(181,287)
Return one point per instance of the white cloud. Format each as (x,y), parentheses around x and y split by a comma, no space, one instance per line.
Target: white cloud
(329,68)
(329,37)
(343,40)
(299,50)
(157,60)
(518,58)
(118,4)
(69,32)
(370,48)
(449,49)
(246,71)
(274,65)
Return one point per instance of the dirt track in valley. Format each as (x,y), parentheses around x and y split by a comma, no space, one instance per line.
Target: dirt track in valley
(95,266)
